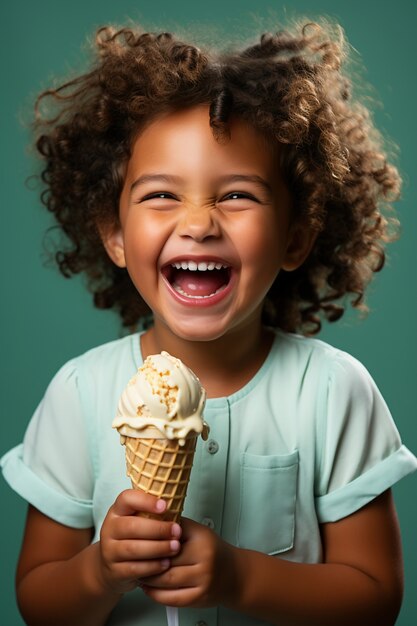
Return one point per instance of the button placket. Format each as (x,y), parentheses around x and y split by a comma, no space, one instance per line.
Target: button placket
(205,496)
(215,464)
(207,521)
(212,446)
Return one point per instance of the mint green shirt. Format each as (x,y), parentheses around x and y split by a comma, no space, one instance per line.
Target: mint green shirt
(308,440)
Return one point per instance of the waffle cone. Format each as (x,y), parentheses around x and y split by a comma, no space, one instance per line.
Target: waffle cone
(162,468)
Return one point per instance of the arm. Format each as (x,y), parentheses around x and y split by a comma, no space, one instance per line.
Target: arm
(55,575)
(360,581)
(64,579)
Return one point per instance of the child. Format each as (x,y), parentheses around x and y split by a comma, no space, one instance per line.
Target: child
(236,197)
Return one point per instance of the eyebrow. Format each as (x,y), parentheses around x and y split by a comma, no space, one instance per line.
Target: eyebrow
(230,178)
(158,178)
(249,178)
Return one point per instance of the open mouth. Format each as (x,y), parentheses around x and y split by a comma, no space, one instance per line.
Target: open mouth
(197,279)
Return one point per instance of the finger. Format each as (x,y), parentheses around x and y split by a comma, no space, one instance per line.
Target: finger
(188,525)
(134,550)
(139,570)
(133,501)
(132,527)
(174,578)
(193,531)
(172,597)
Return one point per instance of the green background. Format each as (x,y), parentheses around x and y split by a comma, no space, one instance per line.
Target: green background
(45,320)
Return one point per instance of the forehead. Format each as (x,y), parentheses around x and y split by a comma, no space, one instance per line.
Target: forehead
(186,135)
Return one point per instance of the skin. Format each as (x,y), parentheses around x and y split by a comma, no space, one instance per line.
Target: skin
(202,215)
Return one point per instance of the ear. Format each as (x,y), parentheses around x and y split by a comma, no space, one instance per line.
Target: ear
(112,238)
(300,242)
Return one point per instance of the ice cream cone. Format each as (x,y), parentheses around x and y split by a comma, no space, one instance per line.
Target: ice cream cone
(162,468)
(159,417)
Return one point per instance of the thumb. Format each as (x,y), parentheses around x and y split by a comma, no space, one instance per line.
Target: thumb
(133,501)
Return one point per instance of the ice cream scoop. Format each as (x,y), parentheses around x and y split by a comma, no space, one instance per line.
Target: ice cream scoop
(163,395)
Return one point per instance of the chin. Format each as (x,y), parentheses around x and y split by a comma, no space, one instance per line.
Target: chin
(198,332)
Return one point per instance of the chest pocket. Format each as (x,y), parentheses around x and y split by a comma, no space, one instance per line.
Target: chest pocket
(267,502)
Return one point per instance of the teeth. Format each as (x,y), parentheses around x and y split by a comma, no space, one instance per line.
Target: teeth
(184,293)
(202,266)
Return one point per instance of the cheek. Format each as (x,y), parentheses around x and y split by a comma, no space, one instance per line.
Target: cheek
(143,239)
(261,243)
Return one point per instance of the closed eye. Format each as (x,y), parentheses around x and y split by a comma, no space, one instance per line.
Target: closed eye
(239,195)
(160,195)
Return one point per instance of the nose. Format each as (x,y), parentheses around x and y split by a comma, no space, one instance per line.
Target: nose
(199,223)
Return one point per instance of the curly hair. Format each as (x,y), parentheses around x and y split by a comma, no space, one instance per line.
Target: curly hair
(290,86)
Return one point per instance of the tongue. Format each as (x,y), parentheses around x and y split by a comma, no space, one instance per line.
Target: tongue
(199,283)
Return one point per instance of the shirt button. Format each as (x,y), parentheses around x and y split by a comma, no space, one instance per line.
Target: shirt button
(207,521)
(212,446)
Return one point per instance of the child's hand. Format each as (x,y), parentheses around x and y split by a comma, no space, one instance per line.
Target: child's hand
(133,547)
(203,574)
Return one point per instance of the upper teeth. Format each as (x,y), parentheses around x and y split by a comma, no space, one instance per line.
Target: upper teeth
(202,266)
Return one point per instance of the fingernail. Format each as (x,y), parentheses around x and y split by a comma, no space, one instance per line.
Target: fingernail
(160,506)
(165,563)
(176,530)
(174,545)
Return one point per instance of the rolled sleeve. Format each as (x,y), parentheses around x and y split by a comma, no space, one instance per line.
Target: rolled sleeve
(356,494)
(57,505)
(52,469)
(361,453)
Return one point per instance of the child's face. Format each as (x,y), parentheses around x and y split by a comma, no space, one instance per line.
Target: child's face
(191,202)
